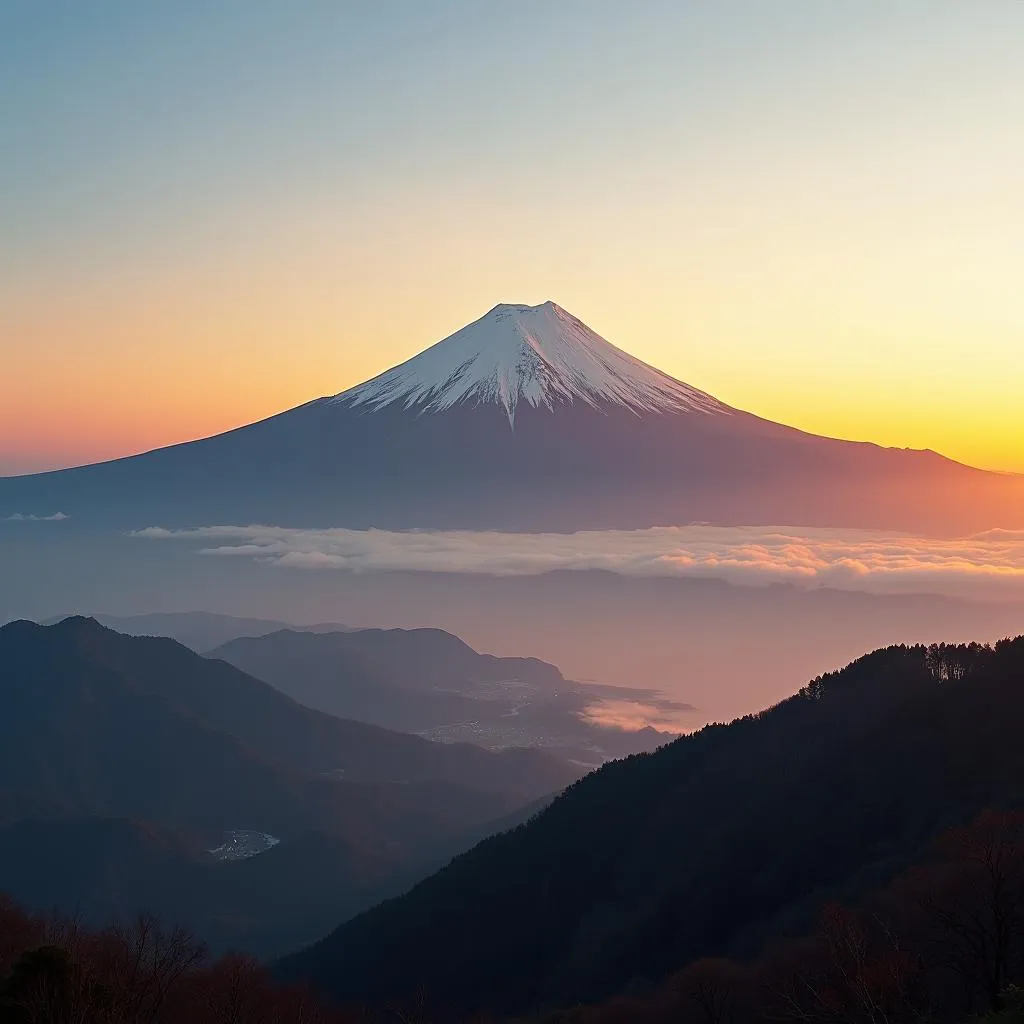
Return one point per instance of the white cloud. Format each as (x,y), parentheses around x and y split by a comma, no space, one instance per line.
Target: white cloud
(19,517)
(632,715)
(991,563)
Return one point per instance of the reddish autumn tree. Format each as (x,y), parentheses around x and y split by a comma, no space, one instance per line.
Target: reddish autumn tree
(56,971)
(855,970)
(18,932)
(709,991)
(972,905)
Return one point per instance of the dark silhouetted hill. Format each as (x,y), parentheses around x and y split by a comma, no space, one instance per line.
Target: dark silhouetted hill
(112,738)
(110,869)
(202,631)
(708,847)
(64,676)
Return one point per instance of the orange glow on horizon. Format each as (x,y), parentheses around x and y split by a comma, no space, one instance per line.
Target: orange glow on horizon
(201,373)
(914,349)
(97,405)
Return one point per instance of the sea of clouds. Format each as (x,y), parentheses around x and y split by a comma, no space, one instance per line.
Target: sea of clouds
(989,564)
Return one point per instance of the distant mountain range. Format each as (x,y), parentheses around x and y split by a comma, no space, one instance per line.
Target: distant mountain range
(424,681)
(202,631)
(722,648)
(430,682)
(523,420)
(715,845)
(128,758)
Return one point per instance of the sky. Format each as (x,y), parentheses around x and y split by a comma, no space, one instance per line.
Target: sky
(212,211)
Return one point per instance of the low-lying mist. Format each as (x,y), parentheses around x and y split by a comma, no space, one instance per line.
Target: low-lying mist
(643,616)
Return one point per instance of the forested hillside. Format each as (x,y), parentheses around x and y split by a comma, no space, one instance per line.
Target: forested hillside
(716,845)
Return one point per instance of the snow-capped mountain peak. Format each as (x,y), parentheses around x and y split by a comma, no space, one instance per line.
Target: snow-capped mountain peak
(538,354)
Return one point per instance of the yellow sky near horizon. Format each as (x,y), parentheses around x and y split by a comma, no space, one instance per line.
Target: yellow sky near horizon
(925,354)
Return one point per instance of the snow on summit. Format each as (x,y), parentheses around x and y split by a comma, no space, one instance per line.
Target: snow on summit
(536,354)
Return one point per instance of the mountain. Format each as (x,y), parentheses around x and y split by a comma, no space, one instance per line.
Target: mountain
(202,631)
(523,420)
(72,665)
(139,739)
(720,647)
(421,659)
(537,355)
(430,682)
(411,680)
(714,845)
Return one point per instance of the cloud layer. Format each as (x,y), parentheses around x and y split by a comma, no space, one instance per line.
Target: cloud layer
(20,517)
(988,564)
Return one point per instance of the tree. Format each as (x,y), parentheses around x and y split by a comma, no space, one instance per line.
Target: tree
(18,932)
(856,971)
(974,902)
(709,991)
(141,964)
(41,989)
(954,662)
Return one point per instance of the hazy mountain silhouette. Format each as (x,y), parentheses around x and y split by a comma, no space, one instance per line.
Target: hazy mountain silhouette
(723,648)
(416,659)
(51,666)
(181,749)
(410,680)
(431,682)
(202,631)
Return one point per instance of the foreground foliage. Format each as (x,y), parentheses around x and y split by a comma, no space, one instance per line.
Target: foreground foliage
(943,943)
(54,971)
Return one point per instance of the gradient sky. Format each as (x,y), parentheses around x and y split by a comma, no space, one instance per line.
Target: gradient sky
(211,211)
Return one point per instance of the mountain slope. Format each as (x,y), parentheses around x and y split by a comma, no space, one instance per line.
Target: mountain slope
(201,631)
(127,759)
(540,355)
(514,426)
(105,869)
(166,676)
(382,673)
(430,682)
(419,659)
(705,847)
